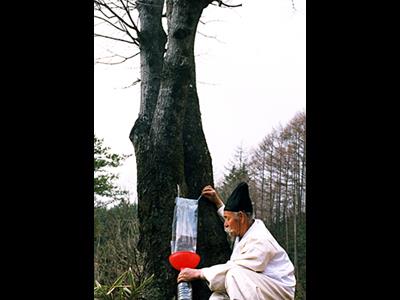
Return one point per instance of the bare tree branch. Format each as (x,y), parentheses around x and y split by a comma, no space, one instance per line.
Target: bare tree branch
(123,59)
(126,8)
(209,21)
(115,14)
(116,39)
(132,84)
(210,37)
(119,24)
(112,16)
(135,40)
(110,23)
(293,7)
(207,83)
(221,3)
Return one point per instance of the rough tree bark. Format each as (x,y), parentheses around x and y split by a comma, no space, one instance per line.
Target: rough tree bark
(169,142)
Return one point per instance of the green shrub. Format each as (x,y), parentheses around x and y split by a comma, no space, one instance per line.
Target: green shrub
(124,287)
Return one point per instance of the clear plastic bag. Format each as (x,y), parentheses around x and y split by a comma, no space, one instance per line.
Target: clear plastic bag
(184,225)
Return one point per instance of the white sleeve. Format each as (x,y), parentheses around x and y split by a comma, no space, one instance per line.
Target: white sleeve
(220,212)
(215,276)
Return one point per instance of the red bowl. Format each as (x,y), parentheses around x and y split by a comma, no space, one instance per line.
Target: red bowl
(184,259)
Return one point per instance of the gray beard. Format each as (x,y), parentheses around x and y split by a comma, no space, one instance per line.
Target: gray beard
(231,236)
(228,231)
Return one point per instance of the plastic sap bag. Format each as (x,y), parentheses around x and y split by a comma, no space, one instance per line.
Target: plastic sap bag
(184,225)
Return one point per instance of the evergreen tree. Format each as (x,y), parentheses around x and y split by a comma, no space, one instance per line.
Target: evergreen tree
(237,172)
(106,189)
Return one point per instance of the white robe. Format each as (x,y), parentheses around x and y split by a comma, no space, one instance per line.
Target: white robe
(259,268)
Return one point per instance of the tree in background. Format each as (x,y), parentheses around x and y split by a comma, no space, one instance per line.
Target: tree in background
(170,146)
(237,172)
(106,190)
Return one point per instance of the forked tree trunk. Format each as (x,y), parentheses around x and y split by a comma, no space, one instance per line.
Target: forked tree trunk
(170,145)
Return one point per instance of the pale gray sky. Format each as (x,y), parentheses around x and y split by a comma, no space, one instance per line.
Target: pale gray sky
(250,78)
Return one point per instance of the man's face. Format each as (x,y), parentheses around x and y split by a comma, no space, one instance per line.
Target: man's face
(232,223)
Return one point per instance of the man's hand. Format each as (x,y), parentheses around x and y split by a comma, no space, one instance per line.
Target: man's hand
(188,274)
(209,193)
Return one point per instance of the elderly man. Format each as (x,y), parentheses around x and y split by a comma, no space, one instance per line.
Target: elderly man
(259,268)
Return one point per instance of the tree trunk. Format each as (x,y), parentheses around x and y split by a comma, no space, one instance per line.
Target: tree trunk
(296,266)
(170,145)
(280,158)
(285,209)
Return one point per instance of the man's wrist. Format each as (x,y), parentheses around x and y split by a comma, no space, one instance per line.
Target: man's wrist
(201,275)
(218,202)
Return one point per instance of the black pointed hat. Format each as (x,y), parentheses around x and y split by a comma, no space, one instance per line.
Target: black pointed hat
(239,199)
